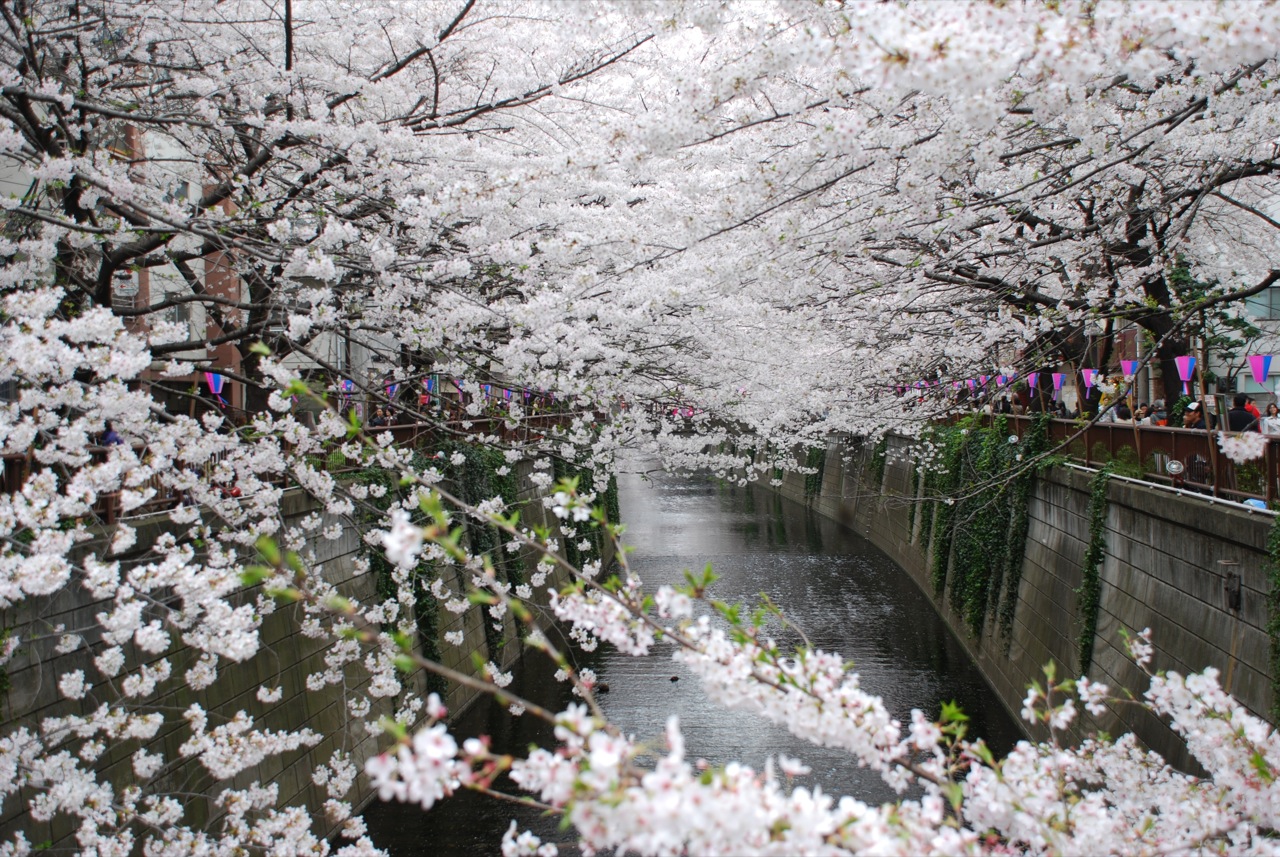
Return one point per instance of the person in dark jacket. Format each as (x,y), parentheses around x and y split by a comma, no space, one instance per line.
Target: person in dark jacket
(1239,418)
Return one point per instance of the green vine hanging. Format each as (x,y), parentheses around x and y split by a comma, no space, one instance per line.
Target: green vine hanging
(612,509)
(426,608)
(1273,614)
(913,486)
(978,522)
(1034,443)
(979,537)
(879,455)
(944,484)
(1090,591)
(815,460)
(477,479)
(573,553)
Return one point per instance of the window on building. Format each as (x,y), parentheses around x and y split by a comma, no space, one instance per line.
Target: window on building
(1271,302)
(180,313)
(127,301)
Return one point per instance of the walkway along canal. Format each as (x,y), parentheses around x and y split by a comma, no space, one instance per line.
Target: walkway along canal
(846,594)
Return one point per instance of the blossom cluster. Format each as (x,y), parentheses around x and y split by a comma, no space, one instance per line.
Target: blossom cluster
(621,213)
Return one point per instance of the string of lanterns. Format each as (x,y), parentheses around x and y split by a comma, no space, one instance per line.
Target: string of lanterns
(1259,367)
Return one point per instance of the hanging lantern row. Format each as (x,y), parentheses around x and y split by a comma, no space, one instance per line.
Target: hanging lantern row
(431,386)
(1259,365)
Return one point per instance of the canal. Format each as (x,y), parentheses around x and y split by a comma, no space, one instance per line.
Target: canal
(846,595)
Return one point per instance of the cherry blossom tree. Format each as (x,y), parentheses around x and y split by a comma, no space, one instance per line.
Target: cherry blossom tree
(762,215)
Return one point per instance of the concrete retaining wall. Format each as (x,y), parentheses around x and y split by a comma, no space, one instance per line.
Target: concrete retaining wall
(1167,565)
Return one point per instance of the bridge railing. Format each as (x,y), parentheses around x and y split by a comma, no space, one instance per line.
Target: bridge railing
(1205,468)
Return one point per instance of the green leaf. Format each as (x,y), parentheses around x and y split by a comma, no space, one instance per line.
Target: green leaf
(1259,764)
(394,728)
(255,574)
(952,713)
(269,550)
(955,794)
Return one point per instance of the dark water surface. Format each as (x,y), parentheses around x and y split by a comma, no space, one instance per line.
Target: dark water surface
(846,595)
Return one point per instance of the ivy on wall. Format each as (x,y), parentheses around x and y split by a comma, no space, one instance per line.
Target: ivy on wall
(612,511)
(979,521)
(1090,591)
(6,683)
(1273,614)
(979,541)
(608,498)
(816,460)
(913,485)
(944,483)
(474,477)
(1034,442)
(426,608)
(879,455)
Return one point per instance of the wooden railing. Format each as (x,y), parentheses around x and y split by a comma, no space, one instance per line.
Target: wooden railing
(1205,468)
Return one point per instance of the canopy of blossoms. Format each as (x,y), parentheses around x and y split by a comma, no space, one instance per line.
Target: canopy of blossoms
(767,216)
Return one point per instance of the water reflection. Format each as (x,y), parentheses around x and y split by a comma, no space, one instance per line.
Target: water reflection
(846,595)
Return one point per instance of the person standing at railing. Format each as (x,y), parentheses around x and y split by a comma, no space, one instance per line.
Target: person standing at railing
(1252,407)
(1239,418)
(1271,422)
(1193,416)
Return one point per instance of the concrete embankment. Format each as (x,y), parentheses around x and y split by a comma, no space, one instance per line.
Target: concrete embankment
(1192,570)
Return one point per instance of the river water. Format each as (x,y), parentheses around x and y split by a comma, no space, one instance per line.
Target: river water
(846,595)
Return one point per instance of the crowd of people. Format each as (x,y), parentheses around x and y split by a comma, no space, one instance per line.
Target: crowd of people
(1244,414)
